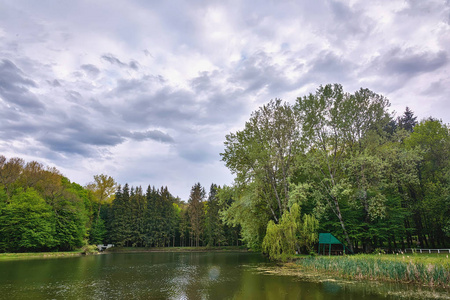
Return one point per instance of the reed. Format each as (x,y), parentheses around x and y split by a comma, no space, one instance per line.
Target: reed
(375,267)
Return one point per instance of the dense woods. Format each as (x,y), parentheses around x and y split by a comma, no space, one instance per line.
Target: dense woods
(373,180)
(331,162)
(41,210)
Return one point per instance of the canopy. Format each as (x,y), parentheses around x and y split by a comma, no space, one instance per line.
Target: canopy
(328,238)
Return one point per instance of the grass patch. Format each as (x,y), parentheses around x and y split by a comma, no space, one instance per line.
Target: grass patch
(431,270)
(37,255)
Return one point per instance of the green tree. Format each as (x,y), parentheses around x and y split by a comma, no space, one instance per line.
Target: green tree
(240,209)
(195,210)
(430,197)
(120,230)
(137,209)
(10,172)
(336,126)
(213,224)
(263,153)
(290,234)
(408,120)
(26,223)
(103,187)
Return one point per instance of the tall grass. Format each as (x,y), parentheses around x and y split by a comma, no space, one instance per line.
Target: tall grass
(392,268)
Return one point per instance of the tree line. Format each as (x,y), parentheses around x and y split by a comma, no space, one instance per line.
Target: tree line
(41,210)
(333,161)
(339,162)
(155,218)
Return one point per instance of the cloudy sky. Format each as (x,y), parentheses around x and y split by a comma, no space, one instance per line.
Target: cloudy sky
(145,91)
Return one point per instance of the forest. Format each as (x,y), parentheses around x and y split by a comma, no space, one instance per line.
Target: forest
(333,161)
(41,210)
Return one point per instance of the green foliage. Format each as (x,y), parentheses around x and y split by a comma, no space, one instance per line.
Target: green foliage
(262,155)
(27,223)
(273,242)
(384,267)
(372,181)
(242,208)
(214,227)
(89,249)
(97,232)
(308,233)
(195,211)
(283,239)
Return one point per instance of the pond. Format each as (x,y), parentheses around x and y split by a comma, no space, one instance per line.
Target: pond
(176,276)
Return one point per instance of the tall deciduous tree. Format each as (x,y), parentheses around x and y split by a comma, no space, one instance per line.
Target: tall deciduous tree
(10,171)
(103,187)
(263,153)
(430,199)
(336,126)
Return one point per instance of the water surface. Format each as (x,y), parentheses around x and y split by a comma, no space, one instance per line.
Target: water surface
(174,276)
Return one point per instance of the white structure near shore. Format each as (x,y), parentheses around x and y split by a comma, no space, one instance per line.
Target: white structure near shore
(104,247)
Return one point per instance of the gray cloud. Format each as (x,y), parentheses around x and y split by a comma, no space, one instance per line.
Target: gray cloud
(259,71)
(327,66)
(155,135)
(409,62)
(198,152)
(14,88)
(115,61)
(91,70)
(348,22)
(54,83)
(134,65)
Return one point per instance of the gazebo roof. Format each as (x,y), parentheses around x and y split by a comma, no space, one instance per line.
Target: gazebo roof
(328,238)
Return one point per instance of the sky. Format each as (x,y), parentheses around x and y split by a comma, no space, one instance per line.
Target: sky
(146,91)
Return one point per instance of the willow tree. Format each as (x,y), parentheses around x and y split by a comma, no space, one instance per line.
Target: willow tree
(262,154)
(338,127)
(290,234)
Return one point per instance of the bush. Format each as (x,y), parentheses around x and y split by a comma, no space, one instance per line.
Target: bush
(89,249)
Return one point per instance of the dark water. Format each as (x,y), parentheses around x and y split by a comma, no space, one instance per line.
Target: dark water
(170,276)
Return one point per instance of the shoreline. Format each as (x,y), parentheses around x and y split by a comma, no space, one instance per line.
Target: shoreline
(175,249)
(10,256)
(38,255)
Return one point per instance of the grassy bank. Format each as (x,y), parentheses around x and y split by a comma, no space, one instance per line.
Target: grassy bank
(176,249)
(35,255)
(431,270)
(87,249)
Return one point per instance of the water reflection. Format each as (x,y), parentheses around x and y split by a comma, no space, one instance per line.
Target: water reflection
(170,276)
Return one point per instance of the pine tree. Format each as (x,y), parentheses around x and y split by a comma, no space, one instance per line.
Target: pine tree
(150,217)
(120,224)
(195,211)
(213,224)
(408,120)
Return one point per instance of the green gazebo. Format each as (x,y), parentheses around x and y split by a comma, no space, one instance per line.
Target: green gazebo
(327,240)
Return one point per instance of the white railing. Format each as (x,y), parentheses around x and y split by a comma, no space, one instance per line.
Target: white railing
(412,250)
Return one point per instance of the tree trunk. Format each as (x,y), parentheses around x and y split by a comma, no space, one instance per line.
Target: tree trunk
(338,213)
